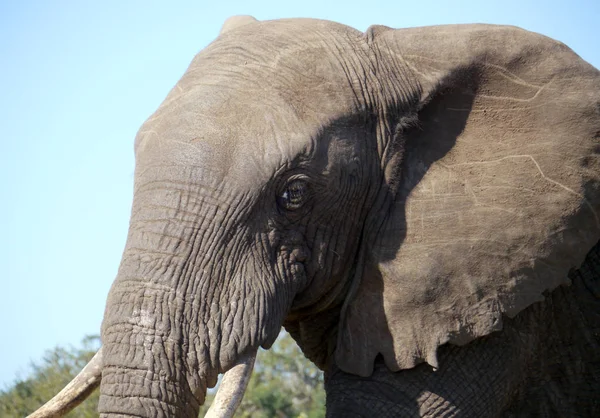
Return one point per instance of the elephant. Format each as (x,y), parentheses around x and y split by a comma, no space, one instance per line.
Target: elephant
(419,208)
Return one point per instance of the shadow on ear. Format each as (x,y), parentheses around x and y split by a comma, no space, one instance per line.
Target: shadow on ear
(497,199)
(425,142)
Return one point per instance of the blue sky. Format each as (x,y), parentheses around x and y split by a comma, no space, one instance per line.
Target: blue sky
(77,80)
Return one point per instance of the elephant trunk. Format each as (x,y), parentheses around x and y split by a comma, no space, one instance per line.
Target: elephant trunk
(141,390)
(226,402)
(181,309)
(156,356)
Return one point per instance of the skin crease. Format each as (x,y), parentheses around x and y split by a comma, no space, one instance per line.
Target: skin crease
(285,181)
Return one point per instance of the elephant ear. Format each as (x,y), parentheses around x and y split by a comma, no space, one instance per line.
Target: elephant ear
(496,199)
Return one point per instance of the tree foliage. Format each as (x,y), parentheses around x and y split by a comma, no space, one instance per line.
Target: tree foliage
(47,378)
(284,384)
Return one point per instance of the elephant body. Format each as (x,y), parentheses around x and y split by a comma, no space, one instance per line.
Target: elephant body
(409,204)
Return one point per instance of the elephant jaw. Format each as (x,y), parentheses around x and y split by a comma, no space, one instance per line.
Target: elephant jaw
(226,401)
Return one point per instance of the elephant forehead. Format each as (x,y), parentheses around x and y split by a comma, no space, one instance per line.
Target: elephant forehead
(254,100)
(233,136)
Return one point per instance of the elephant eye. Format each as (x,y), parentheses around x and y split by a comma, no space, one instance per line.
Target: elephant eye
(294,195)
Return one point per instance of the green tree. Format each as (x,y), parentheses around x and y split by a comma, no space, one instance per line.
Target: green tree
(47,378)
(284,384)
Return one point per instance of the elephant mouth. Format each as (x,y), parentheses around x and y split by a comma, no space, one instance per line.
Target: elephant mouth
(228,397)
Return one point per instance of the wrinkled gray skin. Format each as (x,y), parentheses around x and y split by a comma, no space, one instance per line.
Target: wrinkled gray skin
(400,200)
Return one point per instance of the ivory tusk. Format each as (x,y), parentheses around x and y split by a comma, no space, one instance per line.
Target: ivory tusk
(75,392)
(232,388)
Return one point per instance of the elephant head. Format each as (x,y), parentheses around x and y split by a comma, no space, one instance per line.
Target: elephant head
(379,193)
